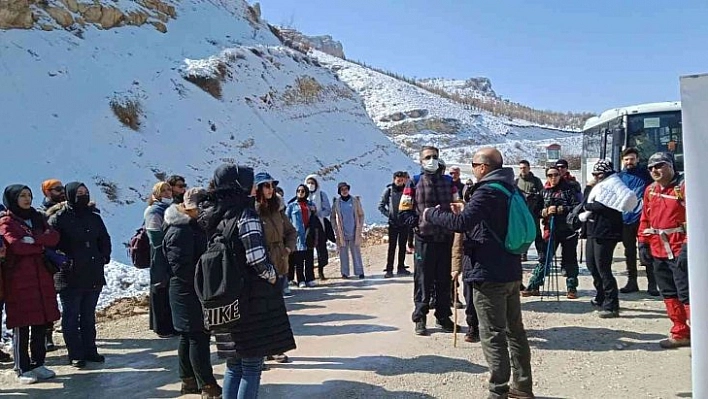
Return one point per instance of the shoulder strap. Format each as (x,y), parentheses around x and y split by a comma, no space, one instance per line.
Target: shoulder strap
(501,188)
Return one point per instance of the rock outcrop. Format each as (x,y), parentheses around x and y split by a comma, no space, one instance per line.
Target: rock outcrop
(324,43)
(71,14)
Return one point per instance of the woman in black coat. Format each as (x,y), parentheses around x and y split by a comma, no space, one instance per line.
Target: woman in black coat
(85,240)
(183,244)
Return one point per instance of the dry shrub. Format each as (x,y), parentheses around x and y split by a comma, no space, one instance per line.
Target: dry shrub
(210,84)
(128,112)
(108,188)
(307,90)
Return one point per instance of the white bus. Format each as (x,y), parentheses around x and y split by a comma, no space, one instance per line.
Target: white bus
(648,127)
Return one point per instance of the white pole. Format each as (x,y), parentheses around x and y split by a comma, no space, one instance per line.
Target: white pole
(694,106)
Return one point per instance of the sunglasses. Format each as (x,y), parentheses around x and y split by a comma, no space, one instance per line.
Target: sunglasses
(657,166)
(433,156)
(474,165)
(552,175)
(58,189)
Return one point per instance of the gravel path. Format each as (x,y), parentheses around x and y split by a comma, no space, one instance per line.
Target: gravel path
(355,340)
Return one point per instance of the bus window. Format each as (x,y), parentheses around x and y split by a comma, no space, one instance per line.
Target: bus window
(651,133)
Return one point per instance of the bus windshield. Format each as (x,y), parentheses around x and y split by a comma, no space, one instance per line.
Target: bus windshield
(654,132)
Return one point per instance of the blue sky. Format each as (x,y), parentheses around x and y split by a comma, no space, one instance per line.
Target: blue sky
(559,55)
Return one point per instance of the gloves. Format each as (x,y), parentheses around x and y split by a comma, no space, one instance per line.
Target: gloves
(645,257)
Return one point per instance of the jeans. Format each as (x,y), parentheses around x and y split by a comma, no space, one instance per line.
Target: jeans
(242,378)
(502,334)
(397,235)
(355,249)
(599,262)
(195,358)
(78,322)
(32,338)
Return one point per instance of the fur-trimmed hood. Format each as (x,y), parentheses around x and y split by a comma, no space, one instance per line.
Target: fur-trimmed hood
(62,206)
(173,216)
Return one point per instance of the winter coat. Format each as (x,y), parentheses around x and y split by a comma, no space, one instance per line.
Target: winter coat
(531,188)
(427,190)
(159,268)
(265,327)
(564,197)
(296,217)
(486,259)
(279,234)
(85,240)
(30,298)
(606,201)
(389,202)
(637,179)
(664,210)
(182,246)
(337,223)
(320,199)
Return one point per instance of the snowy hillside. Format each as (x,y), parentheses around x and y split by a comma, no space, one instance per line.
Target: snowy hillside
(473,87)
(412,117)
(117,108)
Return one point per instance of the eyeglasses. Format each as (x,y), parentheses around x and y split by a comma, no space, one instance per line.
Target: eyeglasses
(58,189)
(267,185)
(552,175)
(432,156)
(657,166)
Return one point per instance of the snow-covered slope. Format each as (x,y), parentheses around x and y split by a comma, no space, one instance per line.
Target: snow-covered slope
(412,117)
(215,87)
(473,87)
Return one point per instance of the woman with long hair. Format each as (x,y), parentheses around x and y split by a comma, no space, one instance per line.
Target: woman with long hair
(301,211)
(160,312)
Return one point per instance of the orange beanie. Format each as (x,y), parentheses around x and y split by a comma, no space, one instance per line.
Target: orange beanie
(48,184)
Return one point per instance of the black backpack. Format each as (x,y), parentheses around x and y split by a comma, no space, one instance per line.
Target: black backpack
(219,279)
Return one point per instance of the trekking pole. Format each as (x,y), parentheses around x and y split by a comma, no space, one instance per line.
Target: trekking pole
(454,327)
(549,252)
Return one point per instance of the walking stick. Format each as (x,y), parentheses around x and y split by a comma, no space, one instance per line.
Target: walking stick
(454,327)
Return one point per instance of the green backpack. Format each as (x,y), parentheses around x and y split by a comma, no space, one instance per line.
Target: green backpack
(521,228)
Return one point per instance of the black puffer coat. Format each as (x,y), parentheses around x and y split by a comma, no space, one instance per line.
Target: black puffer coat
(182,246)
(85,240)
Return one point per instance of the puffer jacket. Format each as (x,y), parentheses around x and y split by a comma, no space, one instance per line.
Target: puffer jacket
(279,234)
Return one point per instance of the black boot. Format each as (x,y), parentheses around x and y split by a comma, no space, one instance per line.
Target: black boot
(651,282)
(630,287)
(320,274)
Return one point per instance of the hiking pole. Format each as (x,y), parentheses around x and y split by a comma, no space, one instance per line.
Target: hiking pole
(549,251)
(454,326)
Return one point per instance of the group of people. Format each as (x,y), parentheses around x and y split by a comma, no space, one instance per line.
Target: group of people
(58,248)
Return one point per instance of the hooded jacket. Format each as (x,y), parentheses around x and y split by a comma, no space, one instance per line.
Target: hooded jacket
(279,234)
(320,199)
(486,259)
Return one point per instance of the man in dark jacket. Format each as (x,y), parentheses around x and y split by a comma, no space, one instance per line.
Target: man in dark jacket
(179,187)
(531,187)
(637,179)
(562,166)
(494,273)
(433,244)
(397,232)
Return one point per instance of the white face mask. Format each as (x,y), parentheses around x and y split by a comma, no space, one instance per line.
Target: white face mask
(312,187)
(431,165)
(166,201)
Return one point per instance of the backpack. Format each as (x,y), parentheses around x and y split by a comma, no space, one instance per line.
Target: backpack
(139,249)
(573,219)
(521,226)
(219,279)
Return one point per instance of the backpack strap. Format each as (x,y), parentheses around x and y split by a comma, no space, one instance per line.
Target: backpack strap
(501,188)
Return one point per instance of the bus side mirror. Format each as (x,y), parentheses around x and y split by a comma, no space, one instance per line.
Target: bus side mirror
(618,136)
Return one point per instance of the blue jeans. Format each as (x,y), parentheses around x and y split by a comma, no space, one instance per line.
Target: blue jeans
(78,321)
(242,378)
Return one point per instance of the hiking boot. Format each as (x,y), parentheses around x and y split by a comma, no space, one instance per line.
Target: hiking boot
(50,342)
(403,272)
(472,335)
(211,391)
(530,292)
(189,386)
(672,342)
(388,275)
(630,287)
(420,327)
(519,394)
(608,314)
(446,324)
(572,293)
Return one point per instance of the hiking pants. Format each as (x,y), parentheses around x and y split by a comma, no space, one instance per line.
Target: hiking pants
(397,235)
(672,277)
(599,254)
(502,335)
(433,262)
(569,262)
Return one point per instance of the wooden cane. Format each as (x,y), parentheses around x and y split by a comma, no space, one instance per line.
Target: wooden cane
(454,327)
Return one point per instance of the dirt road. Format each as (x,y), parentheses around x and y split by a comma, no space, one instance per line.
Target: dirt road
(355,340)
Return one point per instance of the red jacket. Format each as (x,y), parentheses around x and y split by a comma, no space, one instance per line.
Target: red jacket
(663,221)
(30,298)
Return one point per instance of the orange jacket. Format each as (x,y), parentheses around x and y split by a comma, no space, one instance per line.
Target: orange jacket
(663,221)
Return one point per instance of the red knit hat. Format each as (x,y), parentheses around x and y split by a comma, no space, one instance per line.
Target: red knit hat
(48,184)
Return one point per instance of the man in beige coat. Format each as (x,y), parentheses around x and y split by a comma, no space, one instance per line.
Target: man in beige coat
(348,223)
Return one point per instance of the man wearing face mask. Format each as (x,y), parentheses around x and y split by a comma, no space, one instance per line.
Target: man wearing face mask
(397,232)
(433,244)
(85,241)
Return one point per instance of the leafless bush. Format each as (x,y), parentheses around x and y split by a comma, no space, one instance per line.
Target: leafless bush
(307,90)
(128,112)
